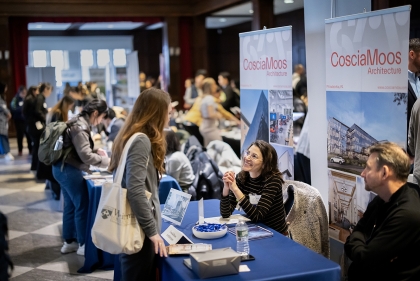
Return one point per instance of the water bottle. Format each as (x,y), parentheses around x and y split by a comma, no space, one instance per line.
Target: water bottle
(242,244)
(59,143)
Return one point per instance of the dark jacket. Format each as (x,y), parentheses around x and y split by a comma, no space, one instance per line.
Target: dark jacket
(232,99)
(28,106)
(16,107)
(411,100)
(82,154)
(40,111)
(385,243)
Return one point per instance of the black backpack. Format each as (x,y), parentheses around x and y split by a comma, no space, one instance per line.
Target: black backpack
(50,151)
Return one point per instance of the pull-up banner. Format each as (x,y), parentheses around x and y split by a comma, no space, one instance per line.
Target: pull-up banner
(266,92)
(366,83)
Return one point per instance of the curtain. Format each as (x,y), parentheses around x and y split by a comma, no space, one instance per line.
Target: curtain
(185,57)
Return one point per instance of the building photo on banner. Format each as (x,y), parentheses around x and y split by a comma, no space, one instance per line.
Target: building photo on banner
(266,92)
(366,84)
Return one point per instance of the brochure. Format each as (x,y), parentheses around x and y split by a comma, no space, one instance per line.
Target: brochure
(185,249)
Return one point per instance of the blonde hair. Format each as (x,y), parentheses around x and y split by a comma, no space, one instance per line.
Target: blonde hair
(207,86)
(392,155)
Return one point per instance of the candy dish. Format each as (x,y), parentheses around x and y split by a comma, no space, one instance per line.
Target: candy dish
(209,230)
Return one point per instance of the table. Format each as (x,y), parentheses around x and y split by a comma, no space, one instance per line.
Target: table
(276,258)
(96,258)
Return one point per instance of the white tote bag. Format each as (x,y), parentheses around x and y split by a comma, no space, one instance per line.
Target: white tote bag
(116,229)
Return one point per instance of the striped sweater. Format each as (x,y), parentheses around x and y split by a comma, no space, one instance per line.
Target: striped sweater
(270,208)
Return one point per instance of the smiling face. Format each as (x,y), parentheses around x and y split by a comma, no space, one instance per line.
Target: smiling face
(252,161)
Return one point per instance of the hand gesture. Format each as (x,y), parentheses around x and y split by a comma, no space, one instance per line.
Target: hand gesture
(102,152)
(159,245)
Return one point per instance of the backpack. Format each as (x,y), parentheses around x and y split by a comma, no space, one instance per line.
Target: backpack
(50,151)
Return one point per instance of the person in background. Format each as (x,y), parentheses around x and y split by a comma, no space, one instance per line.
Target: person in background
(28,105)
(36,118)
(177,165)
(209,112)
(60,111)
(413,81)
(232,99)
(149,82)
(66,89)
(195,90)
(143,169)
(385,243)
(16,107)
(142,79)
(4,124)
(297,75)
(260,176)
(68,172)
(112,124)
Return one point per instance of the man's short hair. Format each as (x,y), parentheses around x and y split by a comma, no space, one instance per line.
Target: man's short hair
(110,114)
(201,72)
(392,155)
(225,75)
(414,45)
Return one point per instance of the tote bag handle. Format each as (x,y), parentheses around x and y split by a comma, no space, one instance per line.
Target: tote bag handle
(121,165)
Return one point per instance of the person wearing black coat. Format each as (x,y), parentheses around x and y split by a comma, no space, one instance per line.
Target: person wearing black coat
(16,107)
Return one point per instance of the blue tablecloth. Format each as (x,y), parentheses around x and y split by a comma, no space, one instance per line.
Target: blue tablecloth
(276,258)
(96,258)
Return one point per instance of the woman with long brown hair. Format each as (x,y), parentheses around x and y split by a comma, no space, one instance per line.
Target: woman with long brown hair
(60,111)
(143,169)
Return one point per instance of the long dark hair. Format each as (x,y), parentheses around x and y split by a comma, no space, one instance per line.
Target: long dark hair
(270,162)
(149,116)
(172,142)
(31,92)
(2,90)
(94,105)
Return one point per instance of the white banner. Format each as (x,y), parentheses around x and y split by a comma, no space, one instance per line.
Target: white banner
(266,92)
(368,52)
(366,84)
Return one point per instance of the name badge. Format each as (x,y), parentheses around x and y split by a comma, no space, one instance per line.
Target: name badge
(45,105)
(20,103)
(254,199)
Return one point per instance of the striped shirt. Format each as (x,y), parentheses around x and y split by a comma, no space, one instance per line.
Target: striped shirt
(270,208)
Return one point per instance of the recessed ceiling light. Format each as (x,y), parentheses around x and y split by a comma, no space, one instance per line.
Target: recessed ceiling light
(110,26)
(222,20)
(251,11)
(38,26)
(288,1)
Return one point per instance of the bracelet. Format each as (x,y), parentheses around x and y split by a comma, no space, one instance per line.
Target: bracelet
(240,199)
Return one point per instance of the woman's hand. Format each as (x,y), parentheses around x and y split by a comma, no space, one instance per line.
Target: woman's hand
(159,245)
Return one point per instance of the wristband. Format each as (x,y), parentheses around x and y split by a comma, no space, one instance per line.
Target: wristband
(240,199)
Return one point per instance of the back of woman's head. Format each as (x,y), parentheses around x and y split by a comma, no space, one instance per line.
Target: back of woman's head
(172,142)
(149,116)
(94,105)
(269,160)
(31,92)
(63,106)
(2,89)
(207,85)
(44,86)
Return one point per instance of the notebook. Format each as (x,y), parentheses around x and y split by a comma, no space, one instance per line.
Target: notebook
(255,232)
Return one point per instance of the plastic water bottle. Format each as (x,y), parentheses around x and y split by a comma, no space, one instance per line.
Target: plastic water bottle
(242,244)
(59,143)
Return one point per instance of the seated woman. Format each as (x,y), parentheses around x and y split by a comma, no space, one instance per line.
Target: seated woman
(260,176)
(177,164)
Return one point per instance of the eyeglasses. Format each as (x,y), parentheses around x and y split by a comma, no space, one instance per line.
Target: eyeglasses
(253,156)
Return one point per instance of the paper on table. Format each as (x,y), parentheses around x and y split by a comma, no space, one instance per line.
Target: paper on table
(173,235)
(91,177)
(244,268)
(231,220)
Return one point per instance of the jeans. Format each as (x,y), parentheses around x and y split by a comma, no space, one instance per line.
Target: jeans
(4,145)
(76,201)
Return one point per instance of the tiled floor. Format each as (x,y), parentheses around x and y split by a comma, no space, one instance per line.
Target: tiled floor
(35,225)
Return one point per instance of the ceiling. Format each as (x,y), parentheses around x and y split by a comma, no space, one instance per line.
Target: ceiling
(224,18)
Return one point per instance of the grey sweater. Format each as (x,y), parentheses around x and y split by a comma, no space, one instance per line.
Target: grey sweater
(414,139)
(140,175)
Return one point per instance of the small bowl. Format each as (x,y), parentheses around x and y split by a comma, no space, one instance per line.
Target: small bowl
(209,235)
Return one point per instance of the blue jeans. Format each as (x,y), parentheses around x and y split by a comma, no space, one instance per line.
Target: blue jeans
(76,201)
(4,145)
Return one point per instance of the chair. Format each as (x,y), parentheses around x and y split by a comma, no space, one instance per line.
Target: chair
(165,186)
